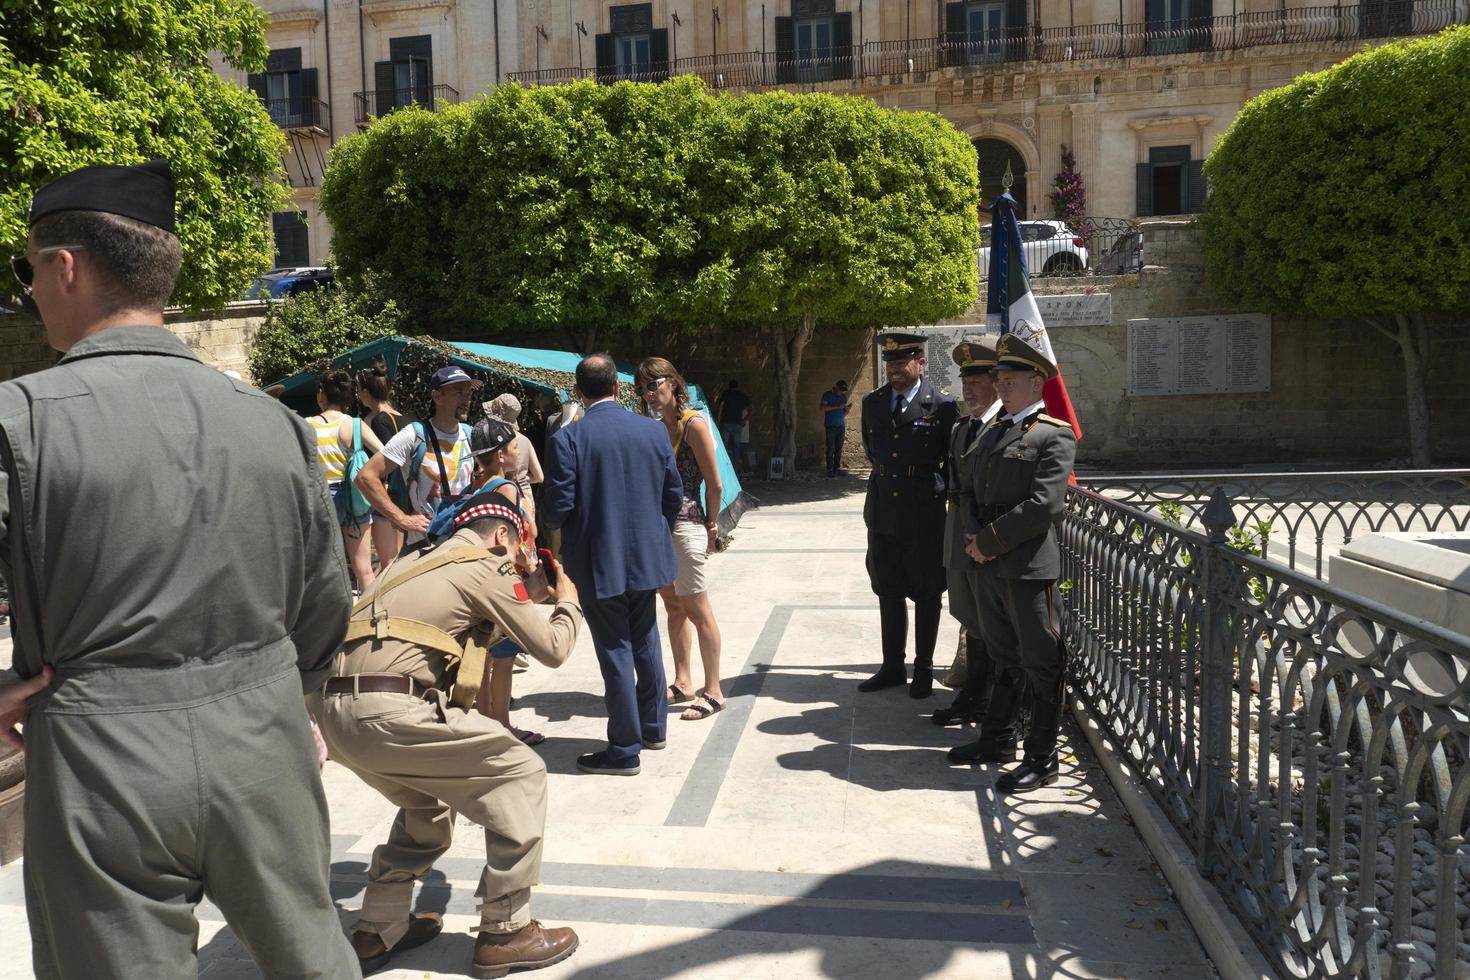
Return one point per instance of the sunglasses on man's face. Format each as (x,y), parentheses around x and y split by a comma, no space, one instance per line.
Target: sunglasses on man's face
(25,272)
(652,386)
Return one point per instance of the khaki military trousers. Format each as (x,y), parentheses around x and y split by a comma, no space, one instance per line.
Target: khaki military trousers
(146,795)
(433,760)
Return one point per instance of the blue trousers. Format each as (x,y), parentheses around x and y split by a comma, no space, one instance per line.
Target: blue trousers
(835,436)
(625,635)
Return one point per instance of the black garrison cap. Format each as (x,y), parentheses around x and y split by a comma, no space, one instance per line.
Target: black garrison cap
(144,192)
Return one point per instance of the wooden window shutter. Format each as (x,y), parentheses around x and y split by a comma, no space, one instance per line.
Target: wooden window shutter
(1144,200)
(956,33)
(785,50)
(606,58)
(658,55)
(1194,187)
(386,96)
(842,46)
(1015,30)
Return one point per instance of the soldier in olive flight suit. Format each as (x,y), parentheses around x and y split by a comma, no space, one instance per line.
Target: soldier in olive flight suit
(975,358)
(1019,489)
(173,558)
(906,426)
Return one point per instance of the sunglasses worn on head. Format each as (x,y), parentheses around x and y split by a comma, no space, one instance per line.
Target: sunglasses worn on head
(25,272)
(652,386)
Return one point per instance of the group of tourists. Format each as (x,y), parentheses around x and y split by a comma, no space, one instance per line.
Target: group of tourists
(175,595)
(966,498)
(160,661)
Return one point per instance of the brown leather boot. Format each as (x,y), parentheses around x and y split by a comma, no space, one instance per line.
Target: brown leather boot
(372,954)
(531,948)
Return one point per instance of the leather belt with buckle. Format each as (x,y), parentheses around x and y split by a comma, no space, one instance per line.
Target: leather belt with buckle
(376,684)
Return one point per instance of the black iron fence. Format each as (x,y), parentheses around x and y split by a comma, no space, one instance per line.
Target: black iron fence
(1073,247)
(1085,42)
(298,113)
(378,102)
(1303,519)
(1309,744)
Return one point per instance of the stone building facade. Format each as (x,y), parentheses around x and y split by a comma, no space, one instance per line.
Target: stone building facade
(1139,90)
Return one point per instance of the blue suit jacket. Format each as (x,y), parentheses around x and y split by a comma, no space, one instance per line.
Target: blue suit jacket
(614,490)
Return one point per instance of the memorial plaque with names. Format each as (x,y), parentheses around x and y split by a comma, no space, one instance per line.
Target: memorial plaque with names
(1079,310)
(942,371)
(1199,355)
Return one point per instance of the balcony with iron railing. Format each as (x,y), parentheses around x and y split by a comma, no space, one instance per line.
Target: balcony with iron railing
(1050,45)
(378,102)
(300,114)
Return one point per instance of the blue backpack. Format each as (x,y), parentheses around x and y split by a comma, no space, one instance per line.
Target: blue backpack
(357,505)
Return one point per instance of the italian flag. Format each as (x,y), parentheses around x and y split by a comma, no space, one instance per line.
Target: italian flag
(1010,306)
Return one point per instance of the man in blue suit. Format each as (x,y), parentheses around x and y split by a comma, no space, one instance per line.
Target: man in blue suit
(613,489)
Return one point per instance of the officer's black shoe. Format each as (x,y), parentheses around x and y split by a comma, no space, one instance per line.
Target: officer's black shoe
(886,677)
(962,711)
(1031,774)
(923,683)
(978,751)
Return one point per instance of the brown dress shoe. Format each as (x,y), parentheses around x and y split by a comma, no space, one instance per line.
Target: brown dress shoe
(531,948)
(372,954)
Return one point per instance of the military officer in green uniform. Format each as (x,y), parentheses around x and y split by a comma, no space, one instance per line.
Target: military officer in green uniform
(401,713)
(975,357)
(1019,489)
(906,425)
(174,560)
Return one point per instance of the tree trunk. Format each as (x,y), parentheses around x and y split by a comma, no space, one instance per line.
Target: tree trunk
(584,339)
(1411,333)
(789,345)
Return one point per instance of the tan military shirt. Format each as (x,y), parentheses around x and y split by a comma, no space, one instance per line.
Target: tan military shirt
(458,598)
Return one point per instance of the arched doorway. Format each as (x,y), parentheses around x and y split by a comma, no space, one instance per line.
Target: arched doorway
(994,155)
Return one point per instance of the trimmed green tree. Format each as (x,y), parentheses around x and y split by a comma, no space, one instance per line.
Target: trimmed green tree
(531,208)
(1342,196)
(826,210)
(83,82)
(308,330)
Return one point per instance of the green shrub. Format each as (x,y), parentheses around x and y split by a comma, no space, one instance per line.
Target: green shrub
(309,330)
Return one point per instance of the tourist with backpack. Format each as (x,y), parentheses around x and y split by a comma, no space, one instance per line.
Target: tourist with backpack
(342,445)
(437,469)
(375,394)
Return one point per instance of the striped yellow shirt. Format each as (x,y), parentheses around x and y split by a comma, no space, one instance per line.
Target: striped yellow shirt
(329,451)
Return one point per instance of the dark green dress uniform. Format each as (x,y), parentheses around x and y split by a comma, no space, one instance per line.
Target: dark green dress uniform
(171,552)
(904,513)
(1019,490)
(976,355)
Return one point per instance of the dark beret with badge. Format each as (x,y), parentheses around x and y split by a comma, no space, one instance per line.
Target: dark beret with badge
(1014,354)
(143,192)
(976,354)
(897,345)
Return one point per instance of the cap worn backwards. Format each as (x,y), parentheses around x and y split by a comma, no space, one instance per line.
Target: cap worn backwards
(490,434)
(143,192)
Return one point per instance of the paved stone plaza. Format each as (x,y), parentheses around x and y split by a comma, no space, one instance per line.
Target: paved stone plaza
(806,830)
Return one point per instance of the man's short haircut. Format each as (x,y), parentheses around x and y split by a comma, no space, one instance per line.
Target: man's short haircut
(597,375)
(136,263)
(841,384)
(485,526)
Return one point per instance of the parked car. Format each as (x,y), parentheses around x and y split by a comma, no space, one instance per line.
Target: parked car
(1123,256)
(1051,248)
(289,281)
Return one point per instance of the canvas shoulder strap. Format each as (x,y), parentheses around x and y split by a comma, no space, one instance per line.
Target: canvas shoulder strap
(381,626)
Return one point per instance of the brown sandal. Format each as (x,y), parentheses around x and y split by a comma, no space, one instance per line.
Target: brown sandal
(677,695)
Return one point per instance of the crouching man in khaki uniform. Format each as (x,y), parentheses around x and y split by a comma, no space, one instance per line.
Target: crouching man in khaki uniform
(426,625)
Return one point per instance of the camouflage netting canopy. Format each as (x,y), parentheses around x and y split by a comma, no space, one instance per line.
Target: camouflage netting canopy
(539,379)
